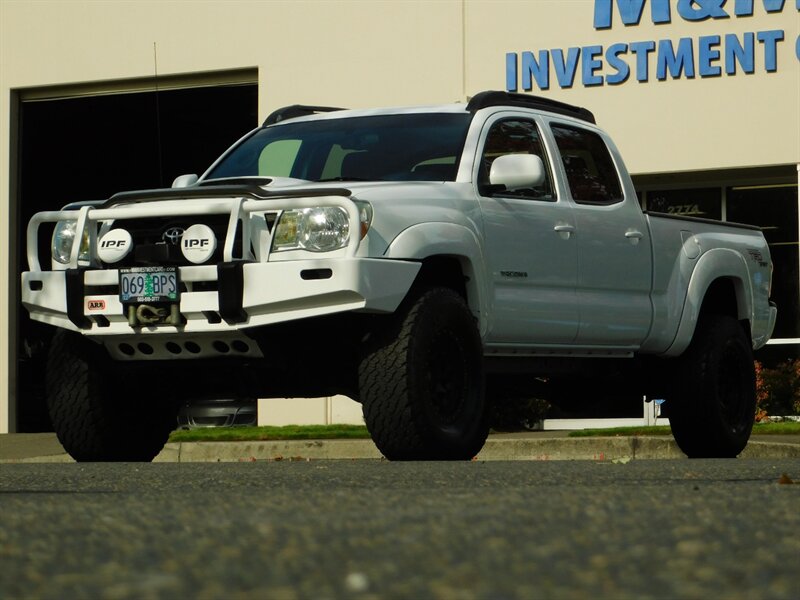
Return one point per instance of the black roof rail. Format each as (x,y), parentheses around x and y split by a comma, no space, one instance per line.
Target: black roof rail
(296,110)
(495,98)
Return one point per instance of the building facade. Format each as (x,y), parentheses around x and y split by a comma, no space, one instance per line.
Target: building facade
(701,97)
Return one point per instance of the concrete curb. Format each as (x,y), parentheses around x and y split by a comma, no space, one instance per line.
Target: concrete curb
(770,450)
(595,448)
(496,449)
(269,450)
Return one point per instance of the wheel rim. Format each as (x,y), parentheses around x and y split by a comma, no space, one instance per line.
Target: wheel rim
(446,380)
(732,386)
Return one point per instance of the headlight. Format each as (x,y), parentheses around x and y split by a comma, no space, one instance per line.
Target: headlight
(63,239)
(320,229)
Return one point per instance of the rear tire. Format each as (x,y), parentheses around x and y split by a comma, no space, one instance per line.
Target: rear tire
(92,410)
(713,407)
(421,382)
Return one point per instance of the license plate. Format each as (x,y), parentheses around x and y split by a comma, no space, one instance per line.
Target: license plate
(148,284)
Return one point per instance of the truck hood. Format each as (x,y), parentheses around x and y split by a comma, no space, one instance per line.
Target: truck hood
(263,188)
(397,205)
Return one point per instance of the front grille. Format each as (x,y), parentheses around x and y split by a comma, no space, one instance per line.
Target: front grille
(151,246)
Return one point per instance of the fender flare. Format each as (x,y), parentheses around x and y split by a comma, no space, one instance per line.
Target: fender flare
(716,264)
(425,240)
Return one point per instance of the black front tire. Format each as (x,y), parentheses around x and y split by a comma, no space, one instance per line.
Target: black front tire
(421,382)
(713,407)
(92,410)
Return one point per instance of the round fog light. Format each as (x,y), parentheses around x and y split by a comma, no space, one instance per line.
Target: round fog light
(198,244)
(114,245)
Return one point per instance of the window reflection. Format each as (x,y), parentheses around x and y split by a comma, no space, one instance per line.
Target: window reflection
(774,209)
(705,203)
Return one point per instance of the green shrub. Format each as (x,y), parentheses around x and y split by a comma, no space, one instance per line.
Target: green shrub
(778,390)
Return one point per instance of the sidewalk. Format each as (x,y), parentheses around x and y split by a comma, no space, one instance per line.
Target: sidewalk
(533,445)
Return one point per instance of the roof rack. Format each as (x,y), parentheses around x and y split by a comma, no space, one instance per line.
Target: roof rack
(495,98)
(296,110)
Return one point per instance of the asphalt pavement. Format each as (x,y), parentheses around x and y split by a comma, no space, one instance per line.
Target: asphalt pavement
(532,445)
(373,530)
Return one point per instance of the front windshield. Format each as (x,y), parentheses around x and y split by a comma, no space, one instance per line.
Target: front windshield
(407,147)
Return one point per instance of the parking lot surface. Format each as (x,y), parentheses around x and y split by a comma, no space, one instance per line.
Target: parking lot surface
(375,529)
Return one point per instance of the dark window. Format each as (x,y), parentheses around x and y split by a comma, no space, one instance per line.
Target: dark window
(515,136)
(774,209)
(704,202)
(407,147)
(590,171)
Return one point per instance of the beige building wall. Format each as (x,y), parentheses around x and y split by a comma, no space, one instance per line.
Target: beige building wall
(309,411)
(361,53)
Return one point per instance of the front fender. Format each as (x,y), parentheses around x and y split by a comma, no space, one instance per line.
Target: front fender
(425,240)
(719,263)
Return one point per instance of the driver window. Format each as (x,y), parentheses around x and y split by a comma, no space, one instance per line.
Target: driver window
(515,136)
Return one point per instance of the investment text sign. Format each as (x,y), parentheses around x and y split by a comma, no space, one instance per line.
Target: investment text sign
(689,57)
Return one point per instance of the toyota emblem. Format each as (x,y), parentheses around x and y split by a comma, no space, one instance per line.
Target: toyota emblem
(173,235)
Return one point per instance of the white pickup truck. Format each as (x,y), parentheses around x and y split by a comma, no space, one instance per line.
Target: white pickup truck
(415,259)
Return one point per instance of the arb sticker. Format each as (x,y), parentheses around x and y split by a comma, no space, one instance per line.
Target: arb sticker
(95,304)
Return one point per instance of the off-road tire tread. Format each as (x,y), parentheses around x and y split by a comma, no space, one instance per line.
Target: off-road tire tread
(382,376)
(91,425)
(384,383)
(694,418)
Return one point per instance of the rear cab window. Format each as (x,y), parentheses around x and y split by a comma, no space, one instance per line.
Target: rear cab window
(591,175)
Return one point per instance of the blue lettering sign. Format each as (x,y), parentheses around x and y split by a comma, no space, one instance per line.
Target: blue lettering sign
(630,11)
(736,52)
(744,8)
(622,69)
(770,40)
(565,69)
(601,64)
(591,64)
(676,62)
(540,70)
(511,71)
(642,50)
(700,10)
(708,53)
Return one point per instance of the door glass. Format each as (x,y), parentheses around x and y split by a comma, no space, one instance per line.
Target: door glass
(590,170)
(515,136)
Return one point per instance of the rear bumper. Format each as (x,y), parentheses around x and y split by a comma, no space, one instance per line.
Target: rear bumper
(246,295)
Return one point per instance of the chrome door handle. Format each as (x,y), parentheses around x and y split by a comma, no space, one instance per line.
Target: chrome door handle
(634,236)
(564,230)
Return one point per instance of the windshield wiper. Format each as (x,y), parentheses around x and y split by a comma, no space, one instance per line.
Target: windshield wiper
(246,180)
(345,179)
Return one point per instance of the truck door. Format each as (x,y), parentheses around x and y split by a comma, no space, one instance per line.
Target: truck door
(531,251)
(614,262)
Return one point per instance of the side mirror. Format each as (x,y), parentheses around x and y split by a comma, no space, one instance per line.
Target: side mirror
(517,171)
(182,181)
